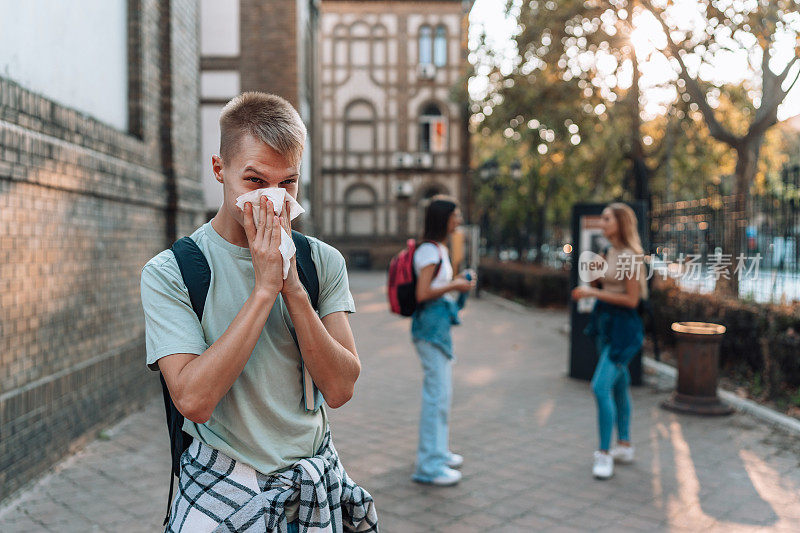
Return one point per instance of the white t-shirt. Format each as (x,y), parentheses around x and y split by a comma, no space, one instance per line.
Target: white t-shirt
(428,253)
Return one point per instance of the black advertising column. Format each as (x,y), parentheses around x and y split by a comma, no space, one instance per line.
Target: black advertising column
(588,235)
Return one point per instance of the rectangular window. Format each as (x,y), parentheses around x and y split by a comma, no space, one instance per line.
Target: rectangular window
(360,137)
(359,52)
(440,47)
(439,139)
(219,84)
(433,135)
(425,45)
(425,137)
(219,28)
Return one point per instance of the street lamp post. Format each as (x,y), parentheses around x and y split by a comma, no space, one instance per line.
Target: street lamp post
(488,175)
(515,169)
(795,180)
(489,172)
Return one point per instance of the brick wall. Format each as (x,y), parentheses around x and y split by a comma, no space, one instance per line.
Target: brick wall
(269,48)
(82,207)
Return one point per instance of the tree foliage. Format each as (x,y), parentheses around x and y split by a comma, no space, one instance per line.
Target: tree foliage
(574,109)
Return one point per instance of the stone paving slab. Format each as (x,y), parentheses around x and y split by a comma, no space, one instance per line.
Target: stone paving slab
(526,430)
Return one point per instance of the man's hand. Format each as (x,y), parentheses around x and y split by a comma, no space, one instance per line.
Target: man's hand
(292,284)
(264,239)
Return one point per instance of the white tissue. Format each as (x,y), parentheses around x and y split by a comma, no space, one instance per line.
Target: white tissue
(278,197)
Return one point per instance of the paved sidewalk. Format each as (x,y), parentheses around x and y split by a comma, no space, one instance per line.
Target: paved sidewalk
(526,430)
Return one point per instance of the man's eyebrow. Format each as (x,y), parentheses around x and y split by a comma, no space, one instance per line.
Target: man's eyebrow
(253,170)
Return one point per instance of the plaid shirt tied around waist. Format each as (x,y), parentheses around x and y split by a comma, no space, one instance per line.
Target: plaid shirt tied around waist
(218,494)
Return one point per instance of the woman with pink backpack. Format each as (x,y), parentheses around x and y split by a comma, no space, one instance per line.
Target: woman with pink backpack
(436,311)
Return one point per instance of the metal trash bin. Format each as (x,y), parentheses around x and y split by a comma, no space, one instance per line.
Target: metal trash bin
(698,370)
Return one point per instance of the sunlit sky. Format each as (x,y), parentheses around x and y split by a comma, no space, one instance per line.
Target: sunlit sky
(489,15)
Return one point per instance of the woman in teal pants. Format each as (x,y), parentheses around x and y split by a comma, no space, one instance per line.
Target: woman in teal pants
(618,333)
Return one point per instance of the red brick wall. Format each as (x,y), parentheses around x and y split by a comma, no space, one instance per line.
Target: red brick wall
(269,47)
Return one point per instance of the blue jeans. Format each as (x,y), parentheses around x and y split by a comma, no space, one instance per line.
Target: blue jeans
(611,387)
(433,450)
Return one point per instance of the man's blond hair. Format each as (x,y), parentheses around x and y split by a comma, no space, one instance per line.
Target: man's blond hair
(266,117)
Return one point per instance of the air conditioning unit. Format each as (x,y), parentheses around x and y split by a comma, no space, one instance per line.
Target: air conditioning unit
(404,190)
(426,71)
(403,160)
(423,160)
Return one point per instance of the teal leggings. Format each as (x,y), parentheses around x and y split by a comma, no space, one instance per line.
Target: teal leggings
(611,386)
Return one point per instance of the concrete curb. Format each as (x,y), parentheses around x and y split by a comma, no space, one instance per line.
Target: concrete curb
(743,405)
(506,303)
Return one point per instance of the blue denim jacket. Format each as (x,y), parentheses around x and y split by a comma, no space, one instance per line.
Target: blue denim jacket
(431,322)
(617,326)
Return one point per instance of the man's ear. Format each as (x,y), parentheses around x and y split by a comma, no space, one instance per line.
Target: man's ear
(216,165)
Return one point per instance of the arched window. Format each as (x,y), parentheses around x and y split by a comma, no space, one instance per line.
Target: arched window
(440,46)
(359,127)
(432,130)
(425,45)
(360,214)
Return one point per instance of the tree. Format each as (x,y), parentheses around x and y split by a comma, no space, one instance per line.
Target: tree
(568,102)
(547,113)
(727,26)
(576,74)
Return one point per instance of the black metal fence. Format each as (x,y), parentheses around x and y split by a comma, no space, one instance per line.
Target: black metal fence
(768,234)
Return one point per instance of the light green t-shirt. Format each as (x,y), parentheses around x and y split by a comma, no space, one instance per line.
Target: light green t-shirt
(261,421)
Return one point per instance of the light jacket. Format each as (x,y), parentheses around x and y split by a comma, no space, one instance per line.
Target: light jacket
(431,322)
(617,327)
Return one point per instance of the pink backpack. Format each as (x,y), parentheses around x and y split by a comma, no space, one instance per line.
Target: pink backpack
(402,284)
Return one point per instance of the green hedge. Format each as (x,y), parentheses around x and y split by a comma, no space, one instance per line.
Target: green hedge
(761,341)
(520,281)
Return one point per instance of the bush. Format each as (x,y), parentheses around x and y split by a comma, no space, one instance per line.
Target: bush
(533,284)
(761,341)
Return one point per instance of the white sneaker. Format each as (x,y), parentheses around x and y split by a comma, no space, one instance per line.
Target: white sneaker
(455,461)
(445,479)
(603,465)
(622,454)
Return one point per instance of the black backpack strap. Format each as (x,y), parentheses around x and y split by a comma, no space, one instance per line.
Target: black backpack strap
(306,269)
(168,406)
(307,272)
(196,275)
(195,271)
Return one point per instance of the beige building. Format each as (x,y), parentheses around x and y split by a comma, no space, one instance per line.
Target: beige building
(387,133)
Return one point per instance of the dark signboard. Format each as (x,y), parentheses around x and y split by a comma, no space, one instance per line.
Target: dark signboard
(587,234)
